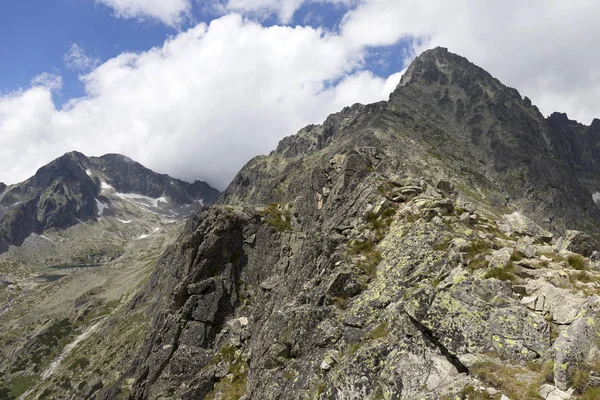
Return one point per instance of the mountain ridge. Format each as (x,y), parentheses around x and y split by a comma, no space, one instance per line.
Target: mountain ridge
(385,254)
(67,191)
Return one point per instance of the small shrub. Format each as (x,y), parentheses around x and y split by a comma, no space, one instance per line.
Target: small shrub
(234,385)
(545,369)
(582,276)
(581,380)
(504,273)
(478,246)
(79,364)
(352,349)
(577,262)
(443,245)
(516,255)
(368,264)
(277,218)
(470,393)
(290,374)
(590,394)
(436,282)
(509,379)
(477,263)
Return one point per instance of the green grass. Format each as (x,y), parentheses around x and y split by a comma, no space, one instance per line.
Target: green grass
(21,384)
(590,394)
(368,256)
(583,276)
(279,219)
(470,393)
(478,263)
(581,377)
(578,262)
(234,385)
(512,380)
(503,273)
(478,246)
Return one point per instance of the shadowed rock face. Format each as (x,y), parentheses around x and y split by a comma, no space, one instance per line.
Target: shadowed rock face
(369,257)
(64,192)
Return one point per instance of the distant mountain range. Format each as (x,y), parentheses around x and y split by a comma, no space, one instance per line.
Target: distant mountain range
(76,188)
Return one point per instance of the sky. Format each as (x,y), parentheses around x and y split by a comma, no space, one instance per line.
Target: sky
(196,88)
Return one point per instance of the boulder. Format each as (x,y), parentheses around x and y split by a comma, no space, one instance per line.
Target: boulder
(501,257)
(578,242)
(445,187)
(517,223)
(549,392)
(573,345)
(546,298)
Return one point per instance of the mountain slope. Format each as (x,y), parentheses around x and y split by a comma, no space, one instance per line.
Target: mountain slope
(72,189)
(379,255)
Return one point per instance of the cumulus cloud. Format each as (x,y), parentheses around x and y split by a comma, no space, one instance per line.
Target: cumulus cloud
(198,107)
(544,48)
(170,12)
(77,59)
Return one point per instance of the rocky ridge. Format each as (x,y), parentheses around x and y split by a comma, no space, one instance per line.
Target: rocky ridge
(386,255)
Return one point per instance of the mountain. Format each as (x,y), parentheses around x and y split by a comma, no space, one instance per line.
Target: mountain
(75,188)
(450,118)
(417,248)
(386,254)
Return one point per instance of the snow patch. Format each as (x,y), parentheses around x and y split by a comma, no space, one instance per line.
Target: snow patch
(68,349)
(200,201)
(143,200)
(101,207)
(88,172)
(105,186)
(123,221)
(42,236)
(596,198)
(145,236)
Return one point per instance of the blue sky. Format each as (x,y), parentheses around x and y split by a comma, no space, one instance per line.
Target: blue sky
(196,88)
(35,35)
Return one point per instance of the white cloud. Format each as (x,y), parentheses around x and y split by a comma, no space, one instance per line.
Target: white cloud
(77,59)
(47,81)
(544,48)
(284,9)
(170,12)
(216,95)
(198,107)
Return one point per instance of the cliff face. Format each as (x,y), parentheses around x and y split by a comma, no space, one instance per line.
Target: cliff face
(379,255)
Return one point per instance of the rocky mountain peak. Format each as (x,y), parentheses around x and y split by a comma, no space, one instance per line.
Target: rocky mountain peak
(72,189)
(437,66)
